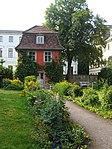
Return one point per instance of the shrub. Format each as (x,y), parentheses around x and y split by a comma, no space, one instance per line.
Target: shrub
(68,89)
(98,85)
(75,90)
(6,82)
(108,99)
(25,67)
(54,70)
(15,84)
(90,98)
(30,78)
(6,72)
(53,128)
(63,87)
(31,83)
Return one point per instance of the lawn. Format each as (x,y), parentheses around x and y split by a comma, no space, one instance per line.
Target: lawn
(16,122)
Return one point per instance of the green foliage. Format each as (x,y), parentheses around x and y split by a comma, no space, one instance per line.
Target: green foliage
(99,84)
(62,87)
(106,75)
(53,128)
(108,99)
(12,84)
(68,89)
(6,82)
(31,84)
(54,71)
(75,90)
(98,102)
(91,98)
(6,72)
(30,78)
(25,67)
(79,31)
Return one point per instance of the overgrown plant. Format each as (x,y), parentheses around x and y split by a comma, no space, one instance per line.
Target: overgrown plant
(66,88)
(25,67)
(54,70)
(15,84)
(53,127)
(91,98)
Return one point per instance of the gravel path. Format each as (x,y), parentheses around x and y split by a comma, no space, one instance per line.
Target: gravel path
(99,129)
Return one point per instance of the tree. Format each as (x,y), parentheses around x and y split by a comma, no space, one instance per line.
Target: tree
(106,72)
(25,67)
(80,32)
(54,71)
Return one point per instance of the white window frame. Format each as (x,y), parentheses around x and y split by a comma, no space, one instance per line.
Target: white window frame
(46,56)
(10,38)
(1,52)
(1,38)
(40,40)
(32,56)
(10,53)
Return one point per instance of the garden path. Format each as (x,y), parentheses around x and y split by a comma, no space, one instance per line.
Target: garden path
(99,129)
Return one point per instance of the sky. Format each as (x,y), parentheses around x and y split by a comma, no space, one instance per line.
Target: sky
(24,14)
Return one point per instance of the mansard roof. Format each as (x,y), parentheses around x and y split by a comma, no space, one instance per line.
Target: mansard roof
(28,40)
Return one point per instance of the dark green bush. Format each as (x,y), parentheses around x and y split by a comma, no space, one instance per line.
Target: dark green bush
(75,91)
(108,99)
(6,82)
(91,98)
(98,85)
(15,84)
(6,72)
(69,89)
(13,87)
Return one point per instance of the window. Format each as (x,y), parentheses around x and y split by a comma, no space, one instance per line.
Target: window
(0,52)
(10,38)
(10,53)
(32,55)
(1,38)
(47,56)
(40,39)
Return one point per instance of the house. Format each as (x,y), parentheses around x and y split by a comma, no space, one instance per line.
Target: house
(9,39)
(107,52)
(42,45)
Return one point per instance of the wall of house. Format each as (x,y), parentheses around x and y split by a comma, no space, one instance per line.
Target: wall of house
(40,56)
(107,52)
(108,49)
(5,45)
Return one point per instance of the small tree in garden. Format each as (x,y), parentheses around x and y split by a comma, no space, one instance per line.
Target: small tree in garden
(6,72)
(106,72)
(54,71)
(25,67)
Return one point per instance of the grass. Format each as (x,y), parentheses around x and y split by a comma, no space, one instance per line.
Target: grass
(16,122)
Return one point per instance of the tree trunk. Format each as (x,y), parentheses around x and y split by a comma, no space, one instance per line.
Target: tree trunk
(69,66)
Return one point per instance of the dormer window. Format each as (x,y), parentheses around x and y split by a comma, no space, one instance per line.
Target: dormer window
(40,40)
